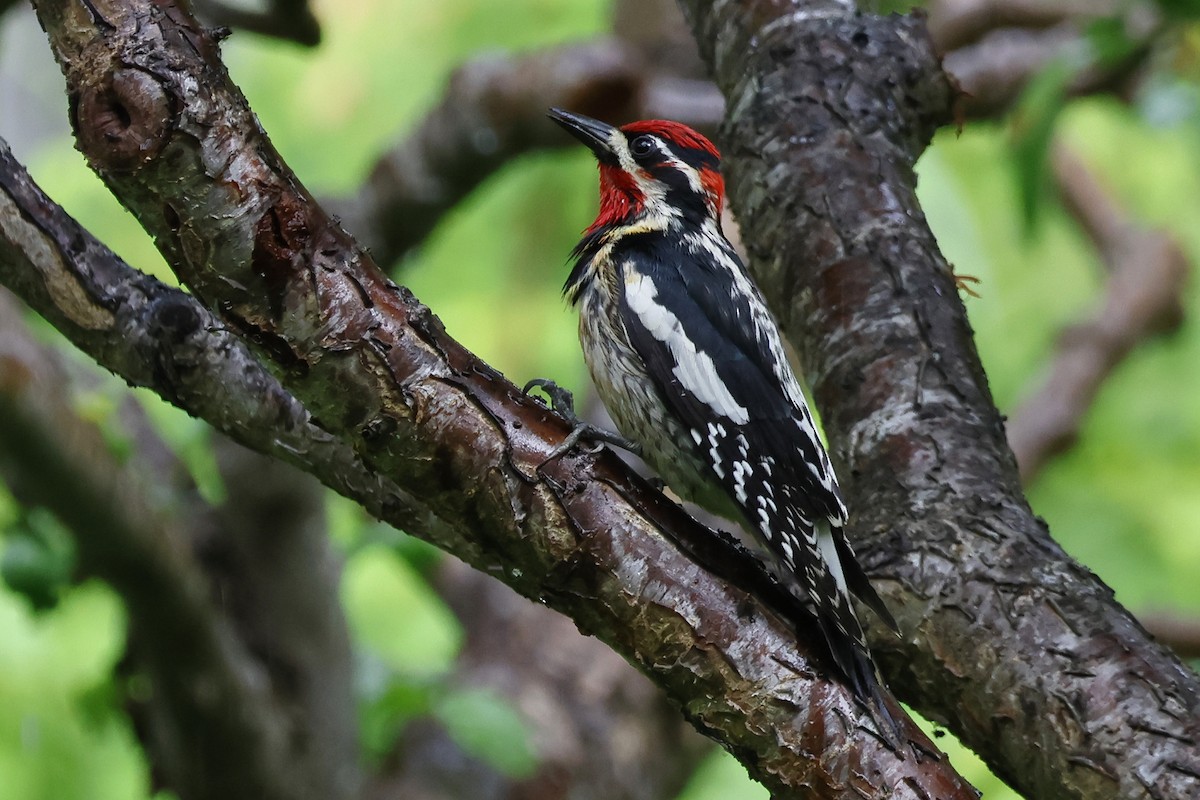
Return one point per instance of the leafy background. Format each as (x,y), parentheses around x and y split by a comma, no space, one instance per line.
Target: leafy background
(1125,501)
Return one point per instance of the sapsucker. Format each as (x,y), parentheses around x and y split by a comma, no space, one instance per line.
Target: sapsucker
(690,364)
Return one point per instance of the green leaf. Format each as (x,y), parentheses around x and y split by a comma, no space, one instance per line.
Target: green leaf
(38,559)
(383,718)
(1032,131)
(1180,9)
(1109,40)
(488,727)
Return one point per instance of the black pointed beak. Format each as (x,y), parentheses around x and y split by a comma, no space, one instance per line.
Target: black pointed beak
(597,135)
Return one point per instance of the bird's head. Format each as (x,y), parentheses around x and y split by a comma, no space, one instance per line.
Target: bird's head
(655,172)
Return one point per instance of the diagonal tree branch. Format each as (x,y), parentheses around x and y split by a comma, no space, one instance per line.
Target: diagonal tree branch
(159,337)
(493,110)
(157,118)
(1147,272)
(70,276)
(1019,650)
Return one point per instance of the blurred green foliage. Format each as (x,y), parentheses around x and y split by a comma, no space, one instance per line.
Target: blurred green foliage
(1033,126)
(1124,501)
(38,559)
(60,736)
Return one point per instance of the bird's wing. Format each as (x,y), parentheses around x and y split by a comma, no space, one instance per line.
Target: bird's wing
(714,354)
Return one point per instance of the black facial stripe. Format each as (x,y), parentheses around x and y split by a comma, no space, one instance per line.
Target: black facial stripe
(680,192)
(694,156)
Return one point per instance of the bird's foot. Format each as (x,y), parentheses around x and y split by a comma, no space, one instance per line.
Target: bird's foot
(562,401)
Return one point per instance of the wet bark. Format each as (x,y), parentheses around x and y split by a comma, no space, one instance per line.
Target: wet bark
(1012,645)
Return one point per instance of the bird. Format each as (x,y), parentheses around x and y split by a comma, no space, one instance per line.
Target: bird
(690,364)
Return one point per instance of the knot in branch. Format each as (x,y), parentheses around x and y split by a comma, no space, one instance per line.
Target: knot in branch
(124,121)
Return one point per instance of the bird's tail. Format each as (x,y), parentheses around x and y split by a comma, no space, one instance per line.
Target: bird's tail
(869,689)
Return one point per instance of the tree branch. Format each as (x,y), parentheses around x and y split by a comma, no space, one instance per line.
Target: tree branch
(493,110)
(958,23)
(155,336)
(994,71)
(156,116)
(207,684)
(1147,273)
(1020,651)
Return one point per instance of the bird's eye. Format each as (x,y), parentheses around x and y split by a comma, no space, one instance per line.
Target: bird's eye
(642,146)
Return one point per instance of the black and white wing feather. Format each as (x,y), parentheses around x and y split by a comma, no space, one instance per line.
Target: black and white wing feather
(715,355)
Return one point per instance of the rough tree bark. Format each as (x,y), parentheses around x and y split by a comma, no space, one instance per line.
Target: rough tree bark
(1038,669)
(157,118)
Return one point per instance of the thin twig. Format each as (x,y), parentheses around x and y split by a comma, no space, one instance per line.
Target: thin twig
(290,20)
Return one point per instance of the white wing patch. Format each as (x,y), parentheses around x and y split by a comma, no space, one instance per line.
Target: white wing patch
(716,433)
(830,556)
(694,368)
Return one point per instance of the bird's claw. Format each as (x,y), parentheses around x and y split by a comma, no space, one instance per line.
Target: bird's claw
(562,401)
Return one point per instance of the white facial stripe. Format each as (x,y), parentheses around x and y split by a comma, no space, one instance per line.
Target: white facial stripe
(695,369)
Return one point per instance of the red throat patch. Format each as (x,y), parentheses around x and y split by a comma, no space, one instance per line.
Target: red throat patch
(620,197)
